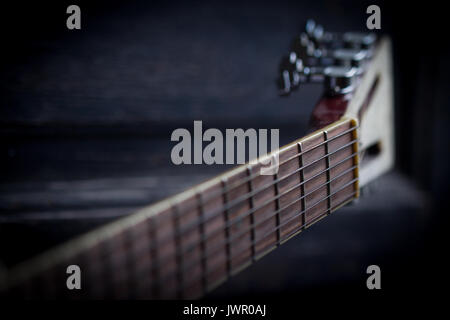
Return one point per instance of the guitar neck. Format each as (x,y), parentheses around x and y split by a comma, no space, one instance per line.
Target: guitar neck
(186,245)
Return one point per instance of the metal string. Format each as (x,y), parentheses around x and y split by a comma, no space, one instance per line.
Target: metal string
(229,240)
(225,208)
(187,267)
(241,182)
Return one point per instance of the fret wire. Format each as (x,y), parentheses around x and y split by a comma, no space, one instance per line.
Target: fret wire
(245,180)
(302,213)
(231,239)
(242,216)
(251,215)
(253,192)
(238,183)
(244,197)
(202,242)
(222,210)
(227,226)
(237,236)
(232,222)
(227,232)
(277,207)
(182,285)
(296,230)
(283,224)
(302,180)
(327,160)
(290,234)
(107,266)
(242,181)
(269,233)
(154,257)
(178,252)
(356,159)
(130,263)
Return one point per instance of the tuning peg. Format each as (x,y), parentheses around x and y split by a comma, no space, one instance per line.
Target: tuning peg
(304,39)
(350,58)
(310,27)
(339,80)
(284,83)
(313,30)
(319,56)
(318,33)
(359,40)
(303,47)
(289,78)
(289,62)
(287,82)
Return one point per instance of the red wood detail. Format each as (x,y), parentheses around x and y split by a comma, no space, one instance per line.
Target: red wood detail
(328,110)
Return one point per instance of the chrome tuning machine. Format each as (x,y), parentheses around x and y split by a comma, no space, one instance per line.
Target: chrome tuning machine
(319,56)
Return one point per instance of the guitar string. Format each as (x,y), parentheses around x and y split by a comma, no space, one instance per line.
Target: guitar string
(267,218)
(257,191)
(179,255)
(256,241)
(236,201)
(211,252)
(266,248)
(236,236)
(269,246)
(230,240)
(217,212)
(242,181)
(235,221)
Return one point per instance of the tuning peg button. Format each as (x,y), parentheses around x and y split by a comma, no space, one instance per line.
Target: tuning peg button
(303,47)
(289,78)
(350,58)
(310,27)
(339,79)
(288,62)
(358,40)
(318,33)
(284,83)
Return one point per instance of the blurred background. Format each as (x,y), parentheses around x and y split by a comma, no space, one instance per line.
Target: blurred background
(86,118)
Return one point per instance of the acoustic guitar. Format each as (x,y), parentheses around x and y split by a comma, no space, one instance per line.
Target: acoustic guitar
(188,244)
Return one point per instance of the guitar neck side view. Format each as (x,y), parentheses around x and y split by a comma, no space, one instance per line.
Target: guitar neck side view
(188,244)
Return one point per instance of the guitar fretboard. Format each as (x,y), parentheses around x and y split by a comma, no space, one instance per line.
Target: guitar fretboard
(186,245)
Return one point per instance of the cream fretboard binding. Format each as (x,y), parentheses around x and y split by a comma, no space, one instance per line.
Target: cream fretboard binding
(186,245)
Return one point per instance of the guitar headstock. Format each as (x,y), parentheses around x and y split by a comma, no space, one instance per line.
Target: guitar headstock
(332,58)
(355,70)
